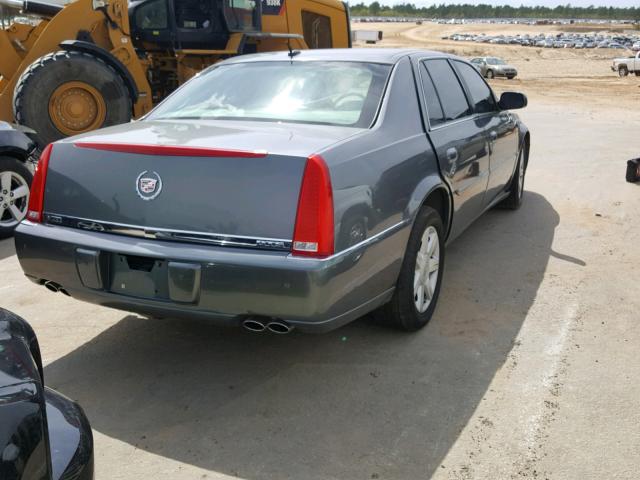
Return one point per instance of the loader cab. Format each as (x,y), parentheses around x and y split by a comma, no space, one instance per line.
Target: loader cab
(191,24)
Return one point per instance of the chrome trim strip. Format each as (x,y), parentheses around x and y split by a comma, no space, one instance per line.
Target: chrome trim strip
(158,233)
(367,242)
(263,243)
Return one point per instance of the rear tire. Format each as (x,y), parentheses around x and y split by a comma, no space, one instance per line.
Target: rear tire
(516,189)
(490,74)
(623,71)
(418,287)
(15,182)
(67,93)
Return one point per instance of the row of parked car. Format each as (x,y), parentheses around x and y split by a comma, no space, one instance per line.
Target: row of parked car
(561,40)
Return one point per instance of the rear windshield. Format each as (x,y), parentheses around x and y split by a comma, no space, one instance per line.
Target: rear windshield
(330,93)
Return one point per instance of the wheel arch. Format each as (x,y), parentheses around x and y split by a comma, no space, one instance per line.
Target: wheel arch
(15,144)
(525,144)
(433,192)
(107,57)
(18,154)
(440,200)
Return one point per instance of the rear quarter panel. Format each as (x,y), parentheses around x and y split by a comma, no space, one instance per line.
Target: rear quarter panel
(382,176)
(384,173)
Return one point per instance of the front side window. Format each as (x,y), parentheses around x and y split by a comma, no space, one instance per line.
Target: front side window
(452,97)
(330,93)
(317,30)
(152,15)
(481,95)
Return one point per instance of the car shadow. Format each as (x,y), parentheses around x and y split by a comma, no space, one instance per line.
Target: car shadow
(360,402)
(7,248)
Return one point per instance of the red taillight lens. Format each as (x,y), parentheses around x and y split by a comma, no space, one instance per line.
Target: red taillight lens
(313,233)
(36,195)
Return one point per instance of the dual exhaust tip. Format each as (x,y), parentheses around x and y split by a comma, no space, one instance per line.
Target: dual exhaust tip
(253,324)
(258,325)
(55,287)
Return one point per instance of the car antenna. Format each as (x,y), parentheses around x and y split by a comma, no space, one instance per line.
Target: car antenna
(292,52)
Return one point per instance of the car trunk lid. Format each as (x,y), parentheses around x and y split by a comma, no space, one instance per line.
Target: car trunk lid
(177,180)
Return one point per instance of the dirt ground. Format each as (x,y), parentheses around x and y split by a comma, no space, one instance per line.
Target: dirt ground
(564,75)
(529,368)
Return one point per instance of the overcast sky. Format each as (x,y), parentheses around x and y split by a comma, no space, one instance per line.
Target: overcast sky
(546,3)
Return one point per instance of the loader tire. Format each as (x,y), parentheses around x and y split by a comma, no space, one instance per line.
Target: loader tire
(68,93)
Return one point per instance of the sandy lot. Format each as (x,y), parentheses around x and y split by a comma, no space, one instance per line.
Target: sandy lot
(563,75)
(529,368)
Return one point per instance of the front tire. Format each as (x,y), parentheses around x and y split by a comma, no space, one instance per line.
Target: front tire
(490,74)
(623,71)
(15,182)
(418,287)
(68,93)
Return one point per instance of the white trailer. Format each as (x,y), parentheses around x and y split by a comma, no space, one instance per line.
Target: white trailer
(367,36)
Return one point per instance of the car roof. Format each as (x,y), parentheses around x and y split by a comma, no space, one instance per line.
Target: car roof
(371,55)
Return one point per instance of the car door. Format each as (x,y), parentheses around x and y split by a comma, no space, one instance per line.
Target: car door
(458,139)
(500,128)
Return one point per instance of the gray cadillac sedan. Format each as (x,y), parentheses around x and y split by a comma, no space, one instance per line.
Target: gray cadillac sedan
(279,191)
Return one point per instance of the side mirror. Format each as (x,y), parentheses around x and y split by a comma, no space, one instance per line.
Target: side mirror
(512,101)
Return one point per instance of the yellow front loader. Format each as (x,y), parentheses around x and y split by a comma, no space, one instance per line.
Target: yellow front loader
(95,63)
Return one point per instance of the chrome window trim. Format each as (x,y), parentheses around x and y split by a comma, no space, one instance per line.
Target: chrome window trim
(473,116)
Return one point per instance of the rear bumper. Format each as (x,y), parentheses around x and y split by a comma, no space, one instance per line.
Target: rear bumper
(232,284)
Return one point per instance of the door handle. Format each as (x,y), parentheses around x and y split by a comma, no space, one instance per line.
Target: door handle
(452,157)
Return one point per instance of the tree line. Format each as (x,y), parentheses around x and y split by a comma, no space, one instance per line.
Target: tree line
(495,11)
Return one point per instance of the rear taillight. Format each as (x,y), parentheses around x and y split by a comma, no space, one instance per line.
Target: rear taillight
(36,195)
(313,233)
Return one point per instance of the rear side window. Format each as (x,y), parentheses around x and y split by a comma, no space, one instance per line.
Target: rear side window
(452,97)
(317,30)
(481,96)
(434,109)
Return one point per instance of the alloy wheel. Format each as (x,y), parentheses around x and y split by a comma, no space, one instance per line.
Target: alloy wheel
(427,269)
(14,198)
